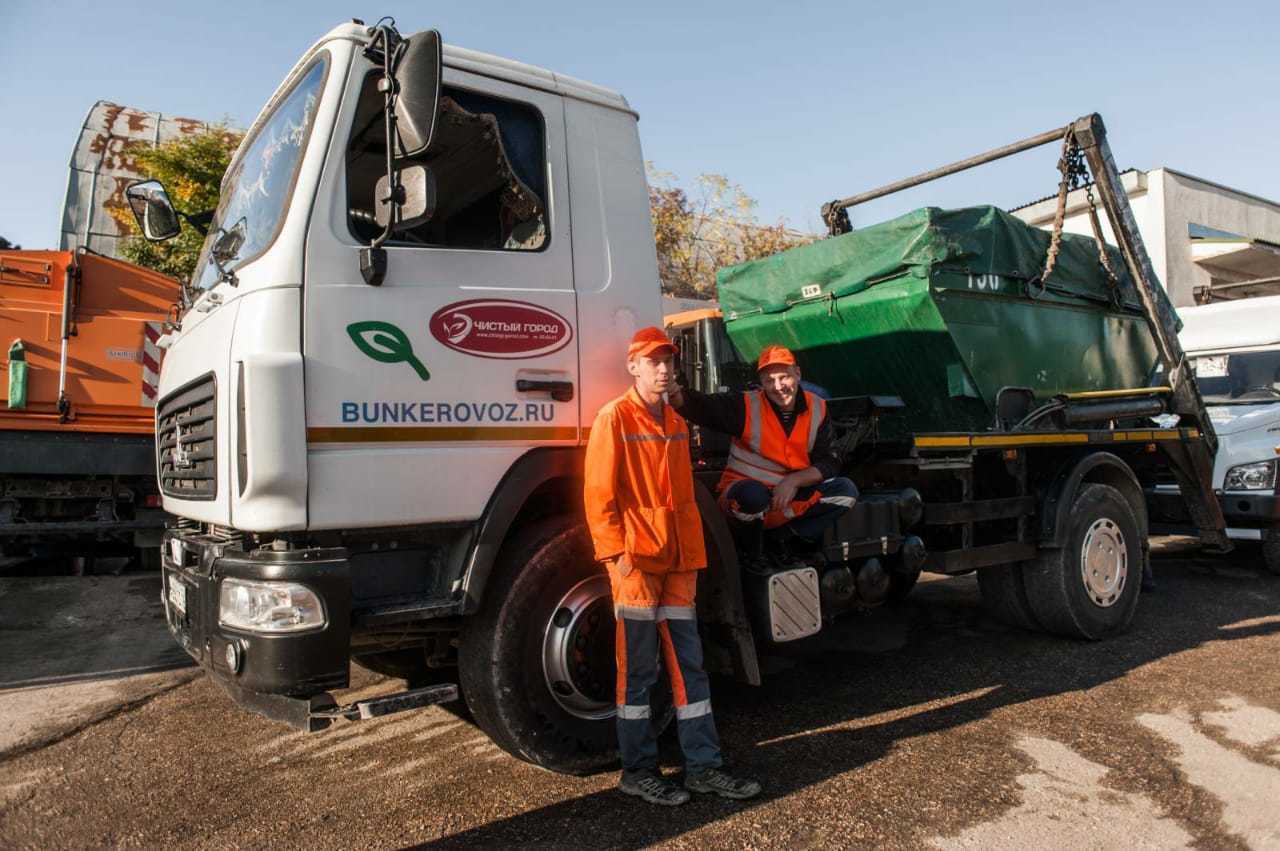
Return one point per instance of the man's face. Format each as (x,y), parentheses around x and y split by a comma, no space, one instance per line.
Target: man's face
(781,383)
(655,373)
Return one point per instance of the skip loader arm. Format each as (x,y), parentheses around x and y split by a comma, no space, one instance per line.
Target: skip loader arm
(1195,474)
(1193,460)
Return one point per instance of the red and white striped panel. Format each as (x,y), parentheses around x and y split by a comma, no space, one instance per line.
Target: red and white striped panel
(151,355)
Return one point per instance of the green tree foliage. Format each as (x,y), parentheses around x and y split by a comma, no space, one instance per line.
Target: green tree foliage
(715,227)
(191,169)
(6,245)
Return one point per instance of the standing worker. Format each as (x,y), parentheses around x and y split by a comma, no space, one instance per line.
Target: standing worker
(645,526)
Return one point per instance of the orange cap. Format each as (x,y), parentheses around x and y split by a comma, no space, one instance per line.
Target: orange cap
(647,341)
(774,355)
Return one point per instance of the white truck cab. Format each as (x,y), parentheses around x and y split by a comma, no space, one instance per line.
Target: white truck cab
(347,454)
(1234,347)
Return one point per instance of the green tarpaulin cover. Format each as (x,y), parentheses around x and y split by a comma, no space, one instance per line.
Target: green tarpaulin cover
(973,240)
(942,308)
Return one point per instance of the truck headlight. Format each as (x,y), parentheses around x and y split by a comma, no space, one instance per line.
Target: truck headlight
(269,607)
(1251,477)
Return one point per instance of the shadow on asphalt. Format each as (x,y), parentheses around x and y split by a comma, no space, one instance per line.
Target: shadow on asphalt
(949,653)
(68,629)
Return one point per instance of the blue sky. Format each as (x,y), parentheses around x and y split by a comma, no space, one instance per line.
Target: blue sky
(798,102)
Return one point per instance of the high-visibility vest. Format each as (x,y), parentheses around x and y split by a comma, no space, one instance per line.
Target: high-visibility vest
(766,453)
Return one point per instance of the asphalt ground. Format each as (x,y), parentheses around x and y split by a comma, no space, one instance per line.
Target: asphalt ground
(924,725)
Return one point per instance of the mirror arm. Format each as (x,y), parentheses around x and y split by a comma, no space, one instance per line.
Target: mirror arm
(373,258)
(200,221)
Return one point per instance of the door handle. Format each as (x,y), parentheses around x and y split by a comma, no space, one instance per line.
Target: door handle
(561,391)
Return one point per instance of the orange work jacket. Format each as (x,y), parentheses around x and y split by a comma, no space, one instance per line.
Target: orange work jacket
(639,488)
(766,453)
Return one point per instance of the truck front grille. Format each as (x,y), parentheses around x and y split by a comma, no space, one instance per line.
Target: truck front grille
(186,441)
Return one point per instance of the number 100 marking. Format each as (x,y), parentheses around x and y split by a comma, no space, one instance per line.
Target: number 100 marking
(994,283)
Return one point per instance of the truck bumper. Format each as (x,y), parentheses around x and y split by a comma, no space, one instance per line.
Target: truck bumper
(1250,510)
(1242,511)
(282,676)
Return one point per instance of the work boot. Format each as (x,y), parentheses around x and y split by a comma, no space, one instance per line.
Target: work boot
(652,787)
(716,782)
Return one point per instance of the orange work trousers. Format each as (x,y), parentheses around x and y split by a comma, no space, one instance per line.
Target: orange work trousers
(656,617)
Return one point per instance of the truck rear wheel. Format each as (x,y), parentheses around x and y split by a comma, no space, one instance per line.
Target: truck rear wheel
(1089,588)
(1271,549)
(537,663)
(1004,595)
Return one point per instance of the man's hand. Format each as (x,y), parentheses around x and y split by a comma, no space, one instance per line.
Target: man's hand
(784,492)
(675,396)
(623,565)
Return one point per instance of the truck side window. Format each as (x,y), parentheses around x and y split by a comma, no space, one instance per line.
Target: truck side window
(488,158)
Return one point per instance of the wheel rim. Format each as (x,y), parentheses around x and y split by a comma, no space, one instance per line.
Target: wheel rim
(1104,562)
(577,651)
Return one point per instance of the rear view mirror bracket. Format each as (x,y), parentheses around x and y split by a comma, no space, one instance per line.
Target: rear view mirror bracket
(410,86)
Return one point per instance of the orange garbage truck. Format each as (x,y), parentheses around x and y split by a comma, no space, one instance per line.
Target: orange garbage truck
(82,334)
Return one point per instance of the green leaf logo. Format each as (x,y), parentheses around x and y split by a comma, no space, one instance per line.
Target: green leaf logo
(386,343)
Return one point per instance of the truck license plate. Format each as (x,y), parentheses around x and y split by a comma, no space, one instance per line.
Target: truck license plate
(177,595)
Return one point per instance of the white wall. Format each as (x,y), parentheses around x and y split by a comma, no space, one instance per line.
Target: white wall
(1190,200)
(1164,203)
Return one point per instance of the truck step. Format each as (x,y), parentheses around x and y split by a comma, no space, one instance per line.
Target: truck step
(363,710)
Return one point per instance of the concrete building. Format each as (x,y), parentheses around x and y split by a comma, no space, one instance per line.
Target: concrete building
(1208,242)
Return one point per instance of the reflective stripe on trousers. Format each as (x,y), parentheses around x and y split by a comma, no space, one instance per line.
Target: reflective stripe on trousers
(813,510)
(667,633)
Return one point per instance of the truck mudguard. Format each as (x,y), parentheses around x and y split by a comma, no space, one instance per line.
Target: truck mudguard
(720,594)
(1099,467)
(534,470)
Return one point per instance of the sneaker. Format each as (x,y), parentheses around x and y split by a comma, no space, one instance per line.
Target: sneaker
(653,788)
(716,782)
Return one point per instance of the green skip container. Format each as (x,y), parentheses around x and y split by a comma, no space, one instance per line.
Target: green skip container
(943,308)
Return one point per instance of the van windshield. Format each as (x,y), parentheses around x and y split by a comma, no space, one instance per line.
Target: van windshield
(1243,378)
(256,190)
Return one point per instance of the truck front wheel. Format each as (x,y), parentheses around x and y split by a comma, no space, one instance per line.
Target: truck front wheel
(1089,587)
(537,663)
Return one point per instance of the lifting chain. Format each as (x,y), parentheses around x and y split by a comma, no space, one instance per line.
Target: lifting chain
(1117,298)
(1075,173)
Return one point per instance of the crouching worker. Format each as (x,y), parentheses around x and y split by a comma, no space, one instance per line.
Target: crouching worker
(781,468)
(644,525)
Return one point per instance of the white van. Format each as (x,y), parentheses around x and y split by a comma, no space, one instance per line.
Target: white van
(1234,347)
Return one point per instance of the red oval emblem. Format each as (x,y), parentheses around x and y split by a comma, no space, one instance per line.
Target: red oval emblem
(500,328)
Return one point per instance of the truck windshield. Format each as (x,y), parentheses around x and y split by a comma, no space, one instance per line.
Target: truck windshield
(1238,379)
(256,190)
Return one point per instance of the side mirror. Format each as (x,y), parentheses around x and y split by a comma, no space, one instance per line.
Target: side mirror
(229,242)
(153,210)
(417,201)
(418,76)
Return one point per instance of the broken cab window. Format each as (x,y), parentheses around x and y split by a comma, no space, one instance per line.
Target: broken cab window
(488,161)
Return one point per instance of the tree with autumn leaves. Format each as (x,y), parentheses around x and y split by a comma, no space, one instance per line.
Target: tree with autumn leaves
(191,169)
(695,234)
(713,228)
